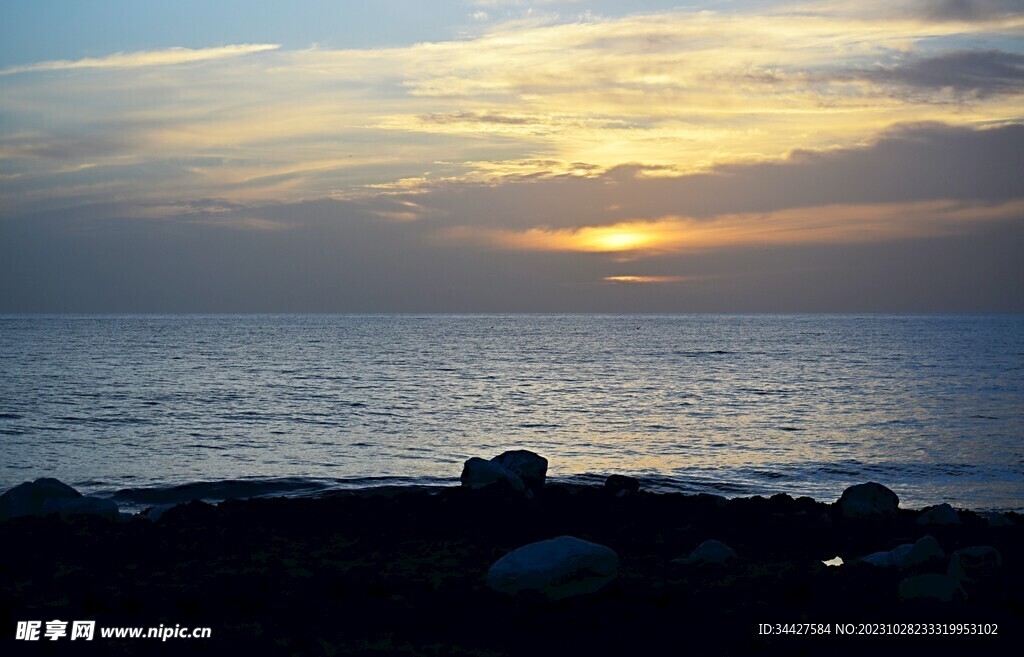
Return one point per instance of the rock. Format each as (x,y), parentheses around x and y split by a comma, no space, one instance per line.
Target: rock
(710,551)
(530,467)
(557,568)
(997,519)
(975,563)
(907,555)
(717,501)
(943,514)
(868,500)
(477,473)
(35,498)
(621,485)
(924,550)
(881,559)
(940,588)
(93,506)
(154,513)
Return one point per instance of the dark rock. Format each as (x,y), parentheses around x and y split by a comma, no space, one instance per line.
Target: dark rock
(85,505)
(530,467)
(36,498)
(557,568)
(621,485)
(943,514)
(931,587)
(479,473)
(869,500)
(974,563)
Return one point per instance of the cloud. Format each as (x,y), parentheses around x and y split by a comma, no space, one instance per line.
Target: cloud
(814,225)
(641,279)
(977,73)
(676,92)
(145,58)
(910,164)
(930,11)
(966,10)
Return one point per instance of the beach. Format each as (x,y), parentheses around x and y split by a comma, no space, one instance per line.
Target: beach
(404,571)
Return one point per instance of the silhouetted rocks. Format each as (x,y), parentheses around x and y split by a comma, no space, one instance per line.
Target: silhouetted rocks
(478,473)
(47,495)
(35,498)
(931,587)
(942,514)
(621,485)
(870,500)
(531,468)
(402,571)
(557,568)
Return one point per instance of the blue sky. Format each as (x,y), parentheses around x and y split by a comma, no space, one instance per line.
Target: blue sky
(455,150)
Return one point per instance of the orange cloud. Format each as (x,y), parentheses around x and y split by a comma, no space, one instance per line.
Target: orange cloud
(648,279)
(816,225)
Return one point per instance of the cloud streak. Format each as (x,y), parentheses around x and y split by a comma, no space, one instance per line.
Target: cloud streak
(143,59)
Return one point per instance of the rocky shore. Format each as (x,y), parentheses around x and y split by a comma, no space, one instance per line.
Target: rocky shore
(507,564)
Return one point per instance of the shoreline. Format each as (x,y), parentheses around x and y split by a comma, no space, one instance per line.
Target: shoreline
(136,499)
(403,571)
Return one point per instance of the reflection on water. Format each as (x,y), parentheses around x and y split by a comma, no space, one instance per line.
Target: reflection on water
(806,404)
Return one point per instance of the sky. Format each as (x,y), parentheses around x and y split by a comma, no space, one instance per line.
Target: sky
(512,156)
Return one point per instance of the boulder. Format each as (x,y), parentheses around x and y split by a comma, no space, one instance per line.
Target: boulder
(78,506)
(557,568)
(885,559)
(924,550)
(710,552)
(154,513)
(717,501)
(931,587)
(994,519)
(907,555)
(943,514)
(530,467)
(478,473)
(621,485)
(35,498)
(870,500)
(974,563)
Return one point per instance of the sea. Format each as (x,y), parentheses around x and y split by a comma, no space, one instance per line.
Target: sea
(158,409)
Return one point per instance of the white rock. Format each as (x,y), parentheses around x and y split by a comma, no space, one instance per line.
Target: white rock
(941,588)
(924,550)
(868,500)
(530,467)
(710,551)
(33,497)
(974,563)
(907,555)
(557,568)
(943,514)
(881,559)
(477,473)
(997,519)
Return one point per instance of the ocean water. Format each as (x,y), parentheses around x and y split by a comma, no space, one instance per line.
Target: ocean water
(158,408)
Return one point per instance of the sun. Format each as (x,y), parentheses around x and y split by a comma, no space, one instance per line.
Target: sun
(611,239)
